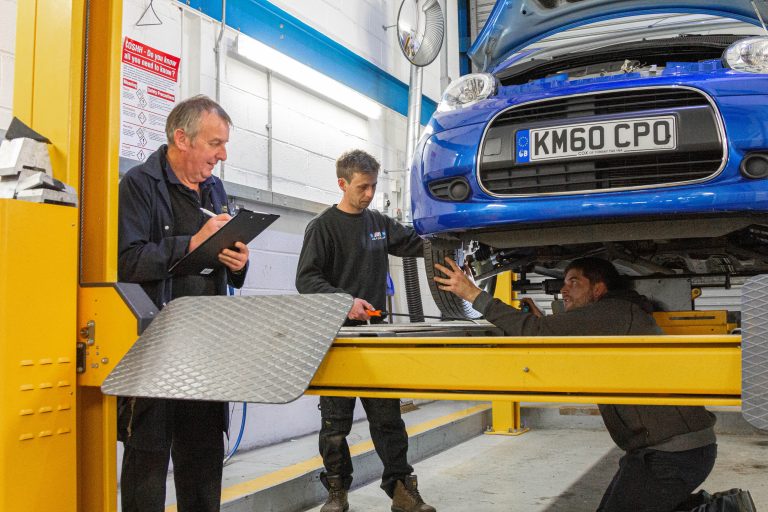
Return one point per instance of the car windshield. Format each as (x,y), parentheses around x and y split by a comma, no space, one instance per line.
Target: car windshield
(631,44)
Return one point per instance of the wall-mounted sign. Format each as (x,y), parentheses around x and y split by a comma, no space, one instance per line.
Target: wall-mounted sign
(150,88)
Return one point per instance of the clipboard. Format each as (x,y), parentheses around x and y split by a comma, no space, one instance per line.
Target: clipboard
(244,227)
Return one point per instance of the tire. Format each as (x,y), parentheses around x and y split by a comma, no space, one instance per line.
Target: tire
(450,306)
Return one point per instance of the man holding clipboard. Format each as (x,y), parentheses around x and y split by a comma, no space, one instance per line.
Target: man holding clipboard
(160,222)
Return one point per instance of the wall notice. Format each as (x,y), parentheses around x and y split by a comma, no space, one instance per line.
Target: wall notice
(150,89)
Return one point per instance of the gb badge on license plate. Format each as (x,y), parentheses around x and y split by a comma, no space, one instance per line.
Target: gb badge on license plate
(594,139)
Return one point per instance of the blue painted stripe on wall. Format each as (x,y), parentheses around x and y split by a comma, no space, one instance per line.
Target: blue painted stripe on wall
(273,26)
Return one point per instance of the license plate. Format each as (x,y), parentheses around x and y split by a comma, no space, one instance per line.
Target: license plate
(592,139)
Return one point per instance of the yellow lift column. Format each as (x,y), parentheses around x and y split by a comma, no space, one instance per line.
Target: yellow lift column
(57,440)
(38,282)
(108,328)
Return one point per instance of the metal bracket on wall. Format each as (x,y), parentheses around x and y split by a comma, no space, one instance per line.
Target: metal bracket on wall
(143,23)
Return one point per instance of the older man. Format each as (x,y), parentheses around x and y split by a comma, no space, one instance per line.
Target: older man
(669,450)
(161,220)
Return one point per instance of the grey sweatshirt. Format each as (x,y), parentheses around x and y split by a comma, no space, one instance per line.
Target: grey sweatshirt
(667,428)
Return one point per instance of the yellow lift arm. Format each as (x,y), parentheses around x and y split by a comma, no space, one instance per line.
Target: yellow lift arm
(653,370)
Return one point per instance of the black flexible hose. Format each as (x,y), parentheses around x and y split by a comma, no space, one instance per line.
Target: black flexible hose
(412,289)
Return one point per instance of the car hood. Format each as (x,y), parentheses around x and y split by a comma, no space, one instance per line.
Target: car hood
(514,24)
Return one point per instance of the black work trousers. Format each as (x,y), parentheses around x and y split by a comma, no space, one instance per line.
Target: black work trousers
(197,450)
(655,481)
(387,433)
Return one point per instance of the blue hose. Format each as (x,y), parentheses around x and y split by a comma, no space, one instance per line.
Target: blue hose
(239,436)
(231,292)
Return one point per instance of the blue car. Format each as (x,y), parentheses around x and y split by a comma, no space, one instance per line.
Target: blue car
(635,130)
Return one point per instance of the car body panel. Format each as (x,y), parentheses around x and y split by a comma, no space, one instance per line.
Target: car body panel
(514,24)
(451,151)
(694,203)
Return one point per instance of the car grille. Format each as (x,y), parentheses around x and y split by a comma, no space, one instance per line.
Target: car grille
(692,160)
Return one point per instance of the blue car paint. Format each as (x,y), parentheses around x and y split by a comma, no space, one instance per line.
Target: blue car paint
(514,24)
(452,149)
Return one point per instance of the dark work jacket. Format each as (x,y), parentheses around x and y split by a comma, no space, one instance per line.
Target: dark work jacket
(146,250)
(349,253)
(668,428)
(145,222)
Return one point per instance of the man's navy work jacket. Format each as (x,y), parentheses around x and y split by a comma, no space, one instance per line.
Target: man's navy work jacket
(146,247)
(146,250)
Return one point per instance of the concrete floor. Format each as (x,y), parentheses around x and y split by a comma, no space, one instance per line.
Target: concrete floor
(552,470)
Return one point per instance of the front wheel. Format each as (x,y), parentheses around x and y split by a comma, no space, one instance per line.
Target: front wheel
(450,305)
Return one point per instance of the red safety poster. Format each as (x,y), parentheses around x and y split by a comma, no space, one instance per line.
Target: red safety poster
(149,91)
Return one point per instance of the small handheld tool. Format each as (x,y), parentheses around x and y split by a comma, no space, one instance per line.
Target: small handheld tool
(383,314)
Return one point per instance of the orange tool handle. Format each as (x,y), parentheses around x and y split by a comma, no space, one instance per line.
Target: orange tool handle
(373,312)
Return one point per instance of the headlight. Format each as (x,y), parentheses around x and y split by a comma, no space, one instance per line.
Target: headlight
(467,90)
(748,55)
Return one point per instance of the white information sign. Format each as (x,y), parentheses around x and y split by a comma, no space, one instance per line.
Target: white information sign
(149,91)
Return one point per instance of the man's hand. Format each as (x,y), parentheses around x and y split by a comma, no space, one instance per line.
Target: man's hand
(457,281)
(358,311)
(235,260)
(532,307)
(213,225)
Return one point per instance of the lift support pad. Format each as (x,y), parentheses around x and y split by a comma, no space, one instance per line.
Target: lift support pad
(259,349)
(754,351)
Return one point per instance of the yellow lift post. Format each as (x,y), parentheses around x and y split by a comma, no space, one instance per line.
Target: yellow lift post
(57,432)
(57,435)
(506,419)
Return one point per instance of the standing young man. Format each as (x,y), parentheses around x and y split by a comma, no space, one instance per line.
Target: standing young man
(346,250)
(160,220)
(669,450)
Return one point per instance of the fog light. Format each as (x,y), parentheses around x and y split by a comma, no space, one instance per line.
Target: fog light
(450,189)
(458,190)
(755,166)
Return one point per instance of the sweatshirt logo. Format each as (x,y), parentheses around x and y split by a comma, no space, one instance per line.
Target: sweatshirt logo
(378,235)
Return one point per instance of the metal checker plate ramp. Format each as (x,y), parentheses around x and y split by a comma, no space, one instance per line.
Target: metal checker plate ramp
(754,351)
(262,349)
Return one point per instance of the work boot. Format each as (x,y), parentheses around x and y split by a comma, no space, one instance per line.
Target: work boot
(337,496)
(407,497)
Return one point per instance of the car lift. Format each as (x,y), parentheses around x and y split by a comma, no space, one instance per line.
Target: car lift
(58,292)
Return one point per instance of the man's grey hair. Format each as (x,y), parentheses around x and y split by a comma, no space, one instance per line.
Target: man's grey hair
(186,115)
(354,161)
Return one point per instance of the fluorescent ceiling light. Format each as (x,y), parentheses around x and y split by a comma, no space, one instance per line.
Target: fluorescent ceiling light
(305,76)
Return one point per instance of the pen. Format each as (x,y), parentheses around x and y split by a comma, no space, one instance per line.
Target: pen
(207,212)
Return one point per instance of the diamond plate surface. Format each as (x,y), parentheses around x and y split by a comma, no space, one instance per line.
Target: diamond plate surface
(263,349)
(754,351)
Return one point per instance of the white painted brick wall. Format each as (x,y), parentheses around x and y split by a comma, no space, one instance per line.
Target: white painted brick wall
(6,89)
(357,25)
(247,151)
(7,50)
(251,112)
(7,26)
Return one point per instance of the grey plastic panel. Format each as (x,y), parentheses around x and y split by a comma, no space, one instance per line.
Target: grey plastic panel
(754,351)
(263,349)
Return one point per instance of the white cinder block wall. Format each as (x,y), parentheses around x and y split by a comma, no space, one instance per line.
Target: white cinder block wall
(7,46)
